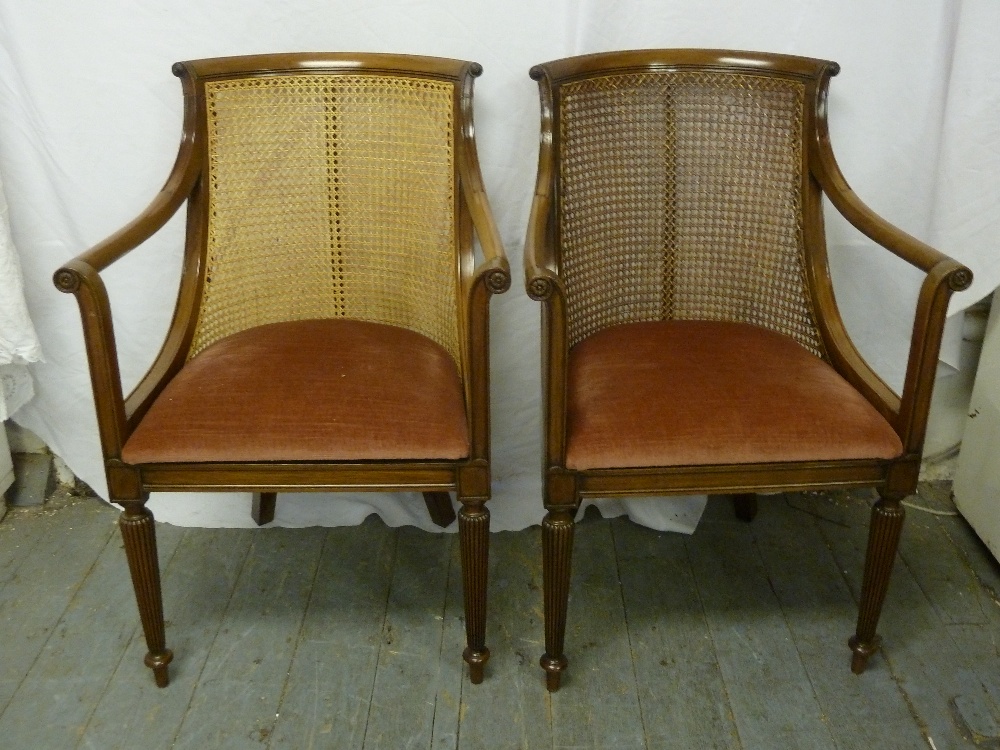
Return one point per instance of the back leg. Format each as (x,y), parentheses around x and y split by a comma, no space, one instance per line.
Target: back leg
(263,507)
(439,506)
(745,506)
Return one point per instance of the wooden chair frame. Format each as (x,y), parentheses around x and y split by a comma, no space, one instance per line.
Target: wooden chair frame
(907,414)
(130,485)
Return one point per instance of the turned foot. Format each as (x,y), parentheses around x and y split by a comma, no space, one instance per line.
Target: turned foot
(477,663)
(158,663)
(862,652)
(554,667)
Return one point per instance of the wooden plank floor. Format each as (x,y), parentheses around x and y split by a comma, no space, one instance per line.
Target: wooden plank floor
(351,637)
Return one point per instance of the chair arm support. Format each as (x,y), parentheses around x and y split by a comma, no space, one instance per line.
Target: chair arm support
(81,279)
(543,283)
(490,277)
(944,278)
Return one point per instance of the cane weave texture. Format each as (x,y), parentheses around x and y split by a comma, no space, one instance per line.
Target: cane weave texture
(330,196)
(681,200)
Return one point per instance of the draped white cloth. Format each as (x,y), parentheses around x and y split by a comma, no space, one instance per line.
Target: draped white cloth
(19,345)
(90,118)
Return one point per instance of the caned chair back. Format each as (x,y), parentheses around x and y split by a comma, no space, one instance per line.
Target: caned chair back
(330,194)
(680,198)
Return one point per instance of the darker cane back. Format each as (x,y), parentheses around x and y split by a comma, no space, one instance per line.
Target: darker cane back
(691,339)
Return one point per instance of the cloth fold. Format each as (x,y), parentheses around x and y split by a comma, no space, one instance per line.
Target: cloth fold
(19,343)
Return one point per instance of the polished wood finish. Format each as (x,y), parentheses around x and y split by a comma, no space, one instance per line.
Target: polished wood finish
(883,541)
(546,282)
(557,554)
(439,507)
(139,534)
(188,182)
(474,532)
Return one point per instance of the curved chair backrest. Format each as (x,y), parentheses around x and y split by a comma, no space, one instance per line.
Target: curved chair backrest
(680,192)
(330,193)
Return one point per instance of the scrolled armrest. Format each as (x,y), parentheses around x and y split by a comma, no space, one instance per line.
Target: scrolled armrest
(541,279)
(495,274)
(541,284)
(494,271)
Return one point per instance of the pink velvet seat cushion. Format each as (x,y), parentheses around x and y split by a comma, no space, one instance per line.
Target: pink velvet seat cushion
(681,393)
(311,390)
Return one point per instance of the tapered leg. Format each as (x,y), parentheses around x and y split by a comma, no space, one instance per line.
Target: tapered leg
(883,540)
(557,553)
(745,506)
(439,506)
(474,537)
(263,507)
(139,533)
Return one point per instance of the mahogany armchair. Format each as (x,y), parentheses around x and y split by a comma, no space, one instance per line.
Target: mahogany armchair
(331,328)
(691,339)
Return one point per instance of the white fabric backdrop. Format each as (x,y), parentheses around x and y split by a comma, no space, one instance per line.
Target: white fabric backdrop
(19,345)
(90,117)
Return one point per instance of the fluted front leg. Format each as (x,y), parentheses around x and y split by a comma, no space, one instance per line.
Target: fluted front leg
(557,553)
(139,533)
(883,541)
(474,537)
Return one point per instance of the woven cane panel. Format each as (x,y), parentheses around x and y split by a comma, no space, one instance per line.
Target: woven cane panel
(330,196)
(681,199)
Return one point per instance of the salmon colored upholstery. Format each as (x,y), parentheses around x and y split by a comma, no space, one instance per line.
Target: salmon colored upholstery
(677,393)
(310,390)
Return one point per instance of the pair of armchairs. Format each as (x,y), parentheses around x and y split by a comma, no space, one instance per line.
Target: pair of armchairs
(332,325)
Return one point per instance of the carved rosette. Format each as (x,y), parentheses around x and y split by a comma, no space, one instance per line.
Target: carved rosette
(66,280)
(960,280)
(498,281)
(540,288)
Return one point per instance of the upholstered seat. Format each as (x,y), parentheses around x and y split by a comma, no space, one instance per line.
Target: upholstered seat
(685,393)
(309,390)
